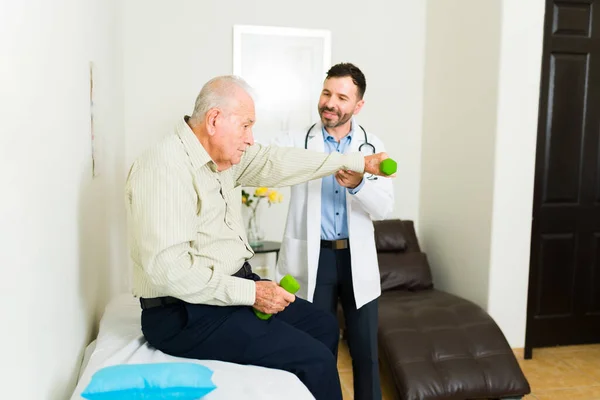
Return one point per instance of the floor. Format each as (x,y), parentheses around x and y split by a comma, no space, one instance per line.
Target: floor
(560,373)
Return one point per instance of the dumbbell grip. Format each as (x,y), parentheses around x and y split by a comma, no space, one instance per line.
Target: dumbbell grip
(290,285)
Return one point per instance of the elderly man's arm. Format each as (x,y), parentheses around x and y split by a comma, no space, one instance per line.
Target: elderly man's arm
(286,166)
(162,213)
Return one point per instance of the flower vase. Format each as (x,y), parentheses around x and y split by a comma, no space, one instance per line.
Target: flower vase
(254,232)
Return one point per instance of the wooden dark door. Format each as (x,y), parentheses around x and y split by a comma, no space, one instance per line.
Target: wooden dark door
(564,280)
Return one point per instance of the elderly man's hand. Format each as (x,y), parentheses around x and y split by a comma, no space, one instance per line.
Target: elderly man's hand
(372,163)
(271,298)
(348,179)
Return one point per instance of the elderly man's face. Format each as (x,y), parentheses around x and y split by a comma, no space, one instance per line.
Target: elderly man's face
(235,130)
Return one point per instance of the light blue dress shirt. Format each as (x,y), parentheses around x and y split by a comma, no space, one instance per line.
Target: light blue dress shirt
(334,220)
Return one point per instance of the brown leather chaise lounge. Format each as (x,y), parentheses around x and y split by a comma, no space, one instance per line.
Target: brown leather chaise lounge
(435,345)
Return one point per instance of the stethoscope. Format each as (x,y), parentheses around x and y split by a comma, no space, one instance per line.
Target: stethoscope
(366,143)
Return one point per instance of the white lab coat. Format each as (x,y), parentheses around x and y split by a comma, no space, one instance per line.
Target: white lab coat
(300,246)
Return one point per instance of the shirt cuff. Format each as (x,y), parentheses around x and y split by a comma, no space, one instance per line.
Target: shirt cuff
(354,162)
(357,189)
(241,292)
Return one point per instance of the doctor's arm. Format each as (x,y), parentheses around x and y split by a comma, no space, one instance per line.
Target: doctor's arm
(376,197)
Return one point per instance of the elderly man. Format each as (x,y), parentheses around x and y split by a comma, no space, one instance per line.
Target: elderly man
(190,252)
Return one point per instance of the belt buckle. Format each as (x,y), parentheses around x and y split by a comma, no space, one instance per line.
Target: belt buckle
(340,244)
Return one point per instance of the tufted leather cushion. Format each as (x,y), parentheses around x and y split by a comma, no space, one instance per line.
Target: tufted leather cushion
(404,271)
(395,235)
(389,235)
(402,265)
(439,346)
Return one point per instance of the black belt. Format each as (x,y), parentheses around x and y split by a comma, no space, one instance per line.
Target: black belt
(340,244)
(243,272)
(158,301)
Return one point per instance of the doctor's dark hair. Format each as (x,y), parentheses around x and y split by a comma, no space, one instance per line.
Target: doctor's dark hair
(347,69)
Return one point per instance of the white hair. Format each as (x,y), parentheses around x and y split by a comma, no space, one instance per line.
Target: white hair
(218,92)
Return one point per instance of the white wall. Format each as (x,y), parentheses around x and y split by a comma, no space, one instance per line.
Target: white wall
(457,165)
(172,48)
(519,93)
(479,134)
(60,245)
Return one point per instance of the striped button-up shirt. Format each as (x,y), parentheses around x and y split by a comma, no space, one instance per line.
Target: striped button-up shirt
(186,231)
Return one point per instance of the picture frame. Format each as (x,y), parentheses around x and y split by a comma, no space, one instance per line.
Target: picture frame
(286,68)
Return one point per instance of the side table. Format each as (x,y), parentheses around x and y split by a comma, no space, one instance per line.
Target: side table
(268,247)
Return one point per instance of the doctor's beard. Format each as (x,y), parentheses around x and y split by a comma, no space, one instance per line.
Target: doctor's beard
(342,118)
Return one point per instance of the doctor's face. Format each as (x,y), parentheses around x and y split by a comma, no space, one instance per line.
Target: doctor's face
(339,101)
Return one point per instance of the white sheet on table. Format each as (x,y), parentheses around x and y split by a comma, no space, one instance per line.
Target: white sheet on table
(120,341)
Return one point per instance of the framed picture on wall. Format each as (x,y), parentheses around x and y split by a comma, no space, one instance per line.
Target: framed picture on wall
(286,68)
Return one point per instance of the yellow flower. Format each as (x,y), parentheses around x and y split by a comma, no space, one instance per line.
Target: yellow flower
(261,192)
(275,197)
(244,200)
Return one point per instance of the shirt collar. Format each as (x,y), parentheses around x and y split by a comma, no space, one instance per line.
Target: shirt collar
(196,152)
(326,134)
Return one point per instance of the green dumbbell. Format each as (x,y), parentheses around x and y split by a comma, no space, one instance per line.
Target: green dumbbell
(290,284)
(388,166)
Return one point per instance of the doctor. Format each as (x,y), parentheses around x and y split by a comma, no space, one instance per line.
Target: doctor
(329,245)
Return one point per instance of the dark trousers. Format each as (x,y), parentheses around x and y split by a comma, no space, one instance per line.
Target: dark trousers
(334,280)
(302,339)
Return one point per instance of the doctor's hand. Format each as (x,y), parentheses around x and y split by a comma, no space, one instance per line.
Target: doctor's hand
(349,179)
(372,164)
(271,298)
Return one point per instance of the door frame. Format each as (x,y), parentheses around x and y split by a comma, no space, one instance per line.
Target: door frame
(538,175)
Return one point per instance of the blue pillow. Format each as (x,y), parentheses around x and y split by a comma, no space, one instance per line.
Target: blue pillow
(181,381)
